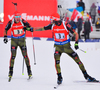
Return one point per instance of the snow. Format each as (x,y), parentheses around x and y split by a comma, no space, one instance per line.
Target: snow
(44,73)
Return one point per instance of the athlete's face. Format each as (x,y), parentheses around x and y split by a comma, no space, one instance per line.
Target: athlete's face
(58,23)
(52,20)
(17,19)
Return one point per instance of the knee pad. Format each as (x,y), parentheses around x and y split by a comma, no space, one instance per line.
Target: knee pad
(57,61)
(13,48)
(57,53)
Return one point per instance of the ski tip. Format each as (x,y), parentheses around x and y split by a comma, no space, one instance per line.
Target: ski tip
(55,87)
(22,73)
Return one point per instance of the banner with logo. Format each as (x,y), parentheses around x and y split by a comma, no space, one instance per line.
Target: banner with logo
(36,12)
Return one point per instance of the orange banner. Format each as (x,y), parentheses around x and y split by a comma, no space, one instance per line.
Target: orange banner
(36,12)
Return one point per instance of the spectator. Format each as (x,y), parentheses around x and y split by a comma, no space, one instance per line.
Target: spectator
(99,10)
(73,24)
(79,25)
(66,18)
(93,12)
(97,23)
(98,7)
(87,28)
(81,4)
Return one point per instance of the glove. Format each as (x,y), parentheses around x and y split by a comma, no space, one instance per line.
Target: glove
(76,45)
(5,39)
(31,29)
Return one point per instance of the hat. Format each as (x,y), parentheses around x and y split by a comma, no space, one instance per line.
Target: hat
(55,17)
(16,13)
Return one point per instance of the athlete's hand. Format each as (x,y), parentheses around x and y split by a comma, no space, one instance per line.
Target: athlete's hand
(31,29)
(5,39)
(76,45)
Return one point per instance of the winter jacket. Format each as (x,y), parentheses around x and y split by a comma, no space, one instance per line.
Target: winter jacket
(79,23)
(87,26)
(93,10)
(99,9)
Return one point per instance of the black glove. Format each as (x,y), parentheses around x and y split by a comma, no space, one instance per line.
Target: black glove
(31,29)
(5,39)
(76,45)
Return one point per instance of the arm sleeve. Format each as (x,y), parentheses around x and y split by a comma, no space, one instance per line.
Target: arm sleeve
(70,28)
(8,26)
(48,27)
(26,23)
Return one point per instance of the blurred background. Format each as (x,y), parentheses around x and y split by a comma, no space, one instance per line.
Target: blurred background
(63,10)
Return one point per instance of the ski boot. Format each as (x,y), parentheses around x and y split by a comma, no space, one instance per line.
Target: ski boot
(60,79)
(89,78)
(10,73)
(29,72)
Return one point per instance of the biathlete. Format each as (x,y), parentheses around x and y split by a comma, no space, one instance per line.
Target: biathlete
(62,44)
(18,27)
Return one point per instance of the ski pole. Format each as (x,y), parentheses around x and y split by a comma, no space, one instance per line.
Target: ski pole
(33,49)
(82,50)
(23,59)
(23,63)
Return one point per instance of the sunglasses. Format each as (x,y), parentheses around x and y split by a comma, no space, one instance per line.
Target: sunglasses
(17,16)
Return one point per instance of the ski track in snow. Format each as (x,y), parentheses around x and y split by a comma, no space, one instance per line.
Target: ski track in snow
(44,73)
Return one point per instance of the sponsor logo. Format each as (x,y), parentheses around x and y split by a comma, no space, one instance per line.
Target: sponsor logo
(58,29)
(32,17)
(17,26)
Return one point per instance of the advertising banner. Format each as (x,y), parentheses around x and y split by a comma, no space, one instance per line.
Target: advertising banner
(36,12)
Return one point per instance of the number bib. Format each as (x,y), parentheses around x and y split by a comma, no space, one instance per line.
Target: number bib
(60,35)
(17,29)
(17,32)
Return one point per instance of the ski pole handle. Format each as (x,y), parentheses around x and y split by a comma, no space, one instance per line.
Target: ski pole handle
(82,50)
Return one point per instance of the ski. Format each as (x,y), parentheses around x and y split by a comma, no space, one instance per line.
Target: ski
(9,79)
(85,82)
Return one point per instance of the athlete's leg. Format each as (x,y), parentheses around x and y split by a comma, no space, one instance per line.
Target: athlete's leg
(13,55)
(76,58)
(68,50)
(57,54)
(22,45)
